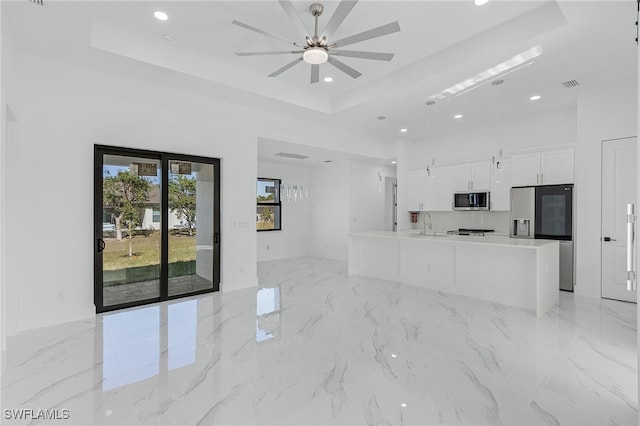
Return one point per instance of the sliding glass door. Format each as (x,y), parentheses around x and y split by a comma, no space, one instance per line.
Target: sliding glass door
(190,225)
(157,226)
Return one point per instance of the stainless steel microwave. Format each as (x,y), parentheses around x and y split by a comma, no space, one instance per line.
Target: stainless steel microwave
(471,201)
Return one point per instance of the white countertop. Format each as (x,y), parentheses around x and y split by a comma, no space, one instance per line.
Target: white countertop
(494,240)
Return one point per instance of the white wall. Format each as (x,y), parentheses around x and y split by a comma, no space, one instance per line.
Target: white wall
(605,113)
(555,128)
(367,196)
(330,212)
(293,239)
(3,295)
(344,197)
(62,113)
(9,162)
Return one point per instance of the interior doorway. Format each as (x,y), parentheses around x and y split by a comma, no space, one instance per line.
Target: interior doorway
(619,187)
(156,225)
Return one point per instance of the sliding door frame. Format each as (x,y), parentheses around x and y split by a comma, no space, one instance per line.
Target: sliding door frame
(164,158)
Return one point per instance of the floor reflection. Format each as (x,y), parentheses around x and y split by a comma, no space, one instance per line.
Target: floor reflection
(268,319)
(136,345)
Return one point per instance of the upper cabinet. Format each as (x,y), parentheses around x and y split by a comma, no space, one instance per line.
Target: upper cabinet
(422,190)
(446,178)
(542,168)
(556,167)
(432,189)
(501,186)
(416,189)
(472,176)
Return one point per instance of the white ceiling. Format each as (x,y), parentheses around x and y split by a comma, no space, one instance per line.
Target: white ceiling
(441,43)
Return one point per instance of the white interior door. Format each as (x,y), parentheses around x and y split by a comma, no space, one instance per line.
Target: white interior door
(619,187)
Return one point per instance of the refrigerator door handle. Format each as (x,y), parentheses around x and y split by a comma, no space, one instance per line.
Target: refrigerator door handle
(631,256)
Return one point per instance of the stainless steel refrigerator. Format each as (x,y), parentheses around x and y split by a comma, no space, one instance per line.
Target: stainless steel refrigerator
(547,212)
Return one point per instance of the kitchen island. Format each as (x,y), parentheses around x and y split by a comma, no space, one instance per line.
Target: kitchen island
(517,272)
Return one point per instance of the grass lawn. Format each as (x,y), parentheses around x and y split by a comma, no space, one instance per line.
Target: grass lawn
(265,225)
(146,251)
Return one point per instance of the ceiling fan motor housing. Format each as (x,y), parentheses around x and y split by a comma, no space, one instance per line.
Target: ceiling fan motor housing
(316,9)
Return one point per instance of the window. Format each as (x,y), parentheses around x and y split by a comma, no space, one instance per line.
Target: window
(156,216)
(268,208)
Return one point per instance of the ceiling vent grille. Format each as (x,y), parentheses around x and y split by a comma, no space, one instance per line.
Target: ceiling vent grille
(38,2)
(290,155)
(497,82)
(571,83)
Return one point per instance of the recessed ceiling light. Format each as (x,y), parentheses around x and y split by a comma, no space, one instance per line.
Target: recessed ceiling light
(328,79)
(403,405)
(393,355)
(160,15)
(535,97)
(404,130)
(458,116)
(480,2)
(394,162)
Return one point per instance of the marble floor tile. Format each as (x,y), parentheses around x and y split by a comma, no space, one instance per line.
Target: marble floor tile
(313,346)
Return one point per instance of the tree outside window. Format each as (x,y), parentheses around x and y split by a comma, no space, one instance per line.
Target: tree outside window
(268,207)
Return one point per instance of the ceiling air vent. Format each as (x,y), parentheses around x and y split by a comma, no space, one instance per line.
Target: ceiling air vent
(39,2)
(497,82)
(290,155)
(571,83)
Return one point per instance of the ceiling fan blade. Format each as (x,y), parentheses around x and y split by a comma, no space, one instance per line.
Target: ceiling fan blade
(286,67)
(367,35)
(315,73)
(269,53)
(344,67)
(291,11)
(263,32)
(378,56)
(338,16)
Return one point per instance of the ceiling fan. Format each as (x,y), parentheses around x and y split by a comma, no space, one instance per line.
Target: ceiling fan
(316,49)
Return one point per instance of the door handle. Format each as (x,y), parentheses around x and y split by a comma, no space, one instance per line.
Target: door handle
(607,239)
(631,237)
(216,238)
(101,245)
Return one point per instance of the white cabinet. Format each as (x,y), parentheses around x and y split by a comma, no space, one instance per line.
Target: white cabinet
(556,167)
(542,168)
(416,189)
(480,176)
(431,197)
(445,177)
(501,186)
(421,190)
(525,169)
(472,176)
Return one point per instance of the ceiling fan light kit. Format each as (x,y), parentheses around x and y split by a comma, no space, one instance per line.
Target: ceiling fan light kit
(315,55)
(316,49)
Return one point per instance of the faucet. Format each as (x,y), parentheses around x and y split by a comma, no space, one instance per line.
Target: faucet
(424,223)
